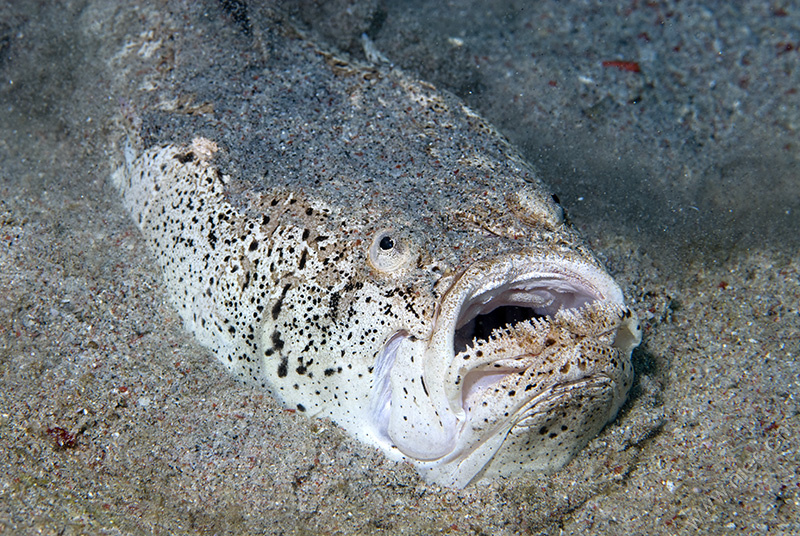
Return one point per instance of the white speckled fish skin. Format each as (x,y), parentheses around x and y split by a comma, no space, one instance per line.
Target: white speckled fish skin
(376,254)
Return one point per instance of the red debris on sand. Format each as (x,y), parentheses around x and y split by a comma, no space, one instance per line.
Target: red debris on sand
(630,66)
(62,438)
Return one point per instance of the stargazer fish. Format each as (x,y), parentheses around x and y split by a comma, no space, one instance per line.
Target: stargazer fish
(367,248)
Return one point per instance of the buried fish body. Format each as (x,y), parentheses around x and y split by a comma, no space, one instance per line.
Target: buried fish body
(366,248)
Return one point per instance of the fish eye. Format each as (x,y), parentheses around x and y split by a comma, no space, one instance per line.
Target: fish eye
(390,251)
(386,243)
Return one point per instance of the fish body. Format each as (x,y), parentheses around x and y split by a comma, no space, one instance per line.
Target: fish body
(366,248)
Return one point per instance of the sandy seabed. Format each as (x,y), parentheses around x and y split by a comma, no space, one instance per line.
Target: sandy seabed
(668,129)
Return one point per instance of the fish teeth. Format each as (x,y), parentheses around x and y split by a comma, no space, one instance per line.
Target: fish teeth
(507,347)
(593,319)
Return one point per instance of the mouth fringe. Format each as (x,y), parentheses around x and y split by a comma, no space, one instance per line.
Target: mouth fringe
(490,311)
(510,328)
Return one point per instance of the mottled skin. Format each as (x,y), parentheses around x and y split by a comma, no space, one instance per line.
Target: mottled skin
(396,267)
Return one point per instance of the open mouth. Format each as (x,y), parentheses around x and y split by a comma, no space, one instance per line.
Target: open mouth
(518,322)
(486,312)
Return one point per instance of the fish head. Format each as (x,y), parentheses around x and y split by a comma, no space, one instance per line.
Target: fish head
(525,359)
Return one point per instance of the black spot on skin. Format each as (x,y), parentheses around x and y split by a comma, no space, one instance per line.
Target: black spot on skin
(329,372)
(276,309)
(283,368)
(306,233)
(303,256)
(253,245)
(184,158)
(277,342)
(264,219)
(309,211)
(301,407)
